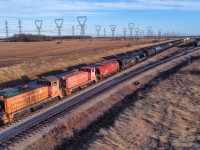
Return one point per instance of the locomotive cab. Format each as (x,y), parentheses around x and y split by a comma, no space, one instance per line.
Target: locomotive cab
(90,70)
(53,83)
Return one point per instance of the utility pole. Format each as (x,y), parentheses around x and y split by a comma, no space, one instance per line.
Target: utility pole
(136,31)
(38,24)
(20,26)
(113,27)
(73,30)
(59,23)
(82,20)
(124,30)
(98,28)
(131,25)
(104,32)
(6,27)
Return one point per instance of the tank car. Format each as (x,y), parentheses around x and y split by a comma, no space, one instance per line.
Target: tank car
(106,68)
(197,43)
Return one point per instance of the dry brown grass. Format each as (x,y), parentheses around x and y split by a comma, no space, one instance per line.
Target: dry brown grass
(25,61)
(166,117)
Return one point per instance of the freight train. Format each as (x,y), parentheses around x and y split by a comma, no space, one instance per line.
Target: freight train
(197,43)
(17,102)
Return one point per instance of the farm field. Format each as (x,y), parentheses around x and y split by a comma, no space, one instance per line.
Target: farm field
(19,52)
(21,62)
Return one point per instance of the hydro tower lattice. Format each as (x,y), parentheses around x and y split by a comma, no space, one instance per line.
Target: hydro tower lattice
(98,28)
(82,20)
(38,24)
(113,27)
(59,23)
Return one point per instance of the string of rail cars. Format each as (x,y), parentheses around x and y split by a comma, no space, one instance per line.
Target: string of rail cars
(15,102)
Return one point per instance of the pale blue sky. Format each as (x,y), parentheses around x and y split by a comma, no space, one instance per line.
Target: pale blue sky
(173,15)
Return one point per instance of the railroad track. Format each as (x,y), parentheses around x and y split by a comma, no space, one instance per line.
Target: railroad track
(23,130)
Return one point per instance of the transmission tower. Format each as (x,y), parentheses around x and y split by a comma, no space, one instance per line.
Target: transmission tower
(159,33)
(98,28)
(130,26)
(104,32)
(149,31)
(73,30)
(59,23)
(6,27)
(141,32)
(167,33)
(38,24)
(136,31)
(113,27)
(82,20)
(20,26)
(124,30)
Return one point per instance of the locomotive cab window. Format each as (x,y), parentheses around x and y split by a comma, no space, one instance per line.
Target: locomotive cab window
(2,106)
(55,84)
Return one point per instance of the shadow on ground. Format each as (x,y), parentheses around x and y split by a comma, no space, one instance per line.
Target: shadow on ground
(83,139)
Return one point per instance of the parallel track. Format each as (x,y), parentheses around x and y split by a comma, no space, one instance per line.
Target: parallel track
(16,134)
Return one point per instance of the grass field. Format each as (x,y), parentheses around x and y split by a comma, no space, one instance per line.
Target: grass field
(164,117)
(21,62)
(19,52)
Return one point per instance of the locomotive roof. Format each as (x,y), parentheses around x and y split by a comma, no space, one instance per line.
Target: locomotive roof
(88,67)
(105,62)
(10,92)
(72,74)
(51,78)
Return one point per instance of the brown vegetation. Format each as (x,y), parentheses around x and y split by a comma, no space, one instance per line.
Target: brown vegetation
(29,38)
(165,117)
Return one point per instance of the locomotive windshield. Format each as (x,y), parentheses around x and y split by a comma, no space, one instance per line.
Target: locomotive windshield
(1,106)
